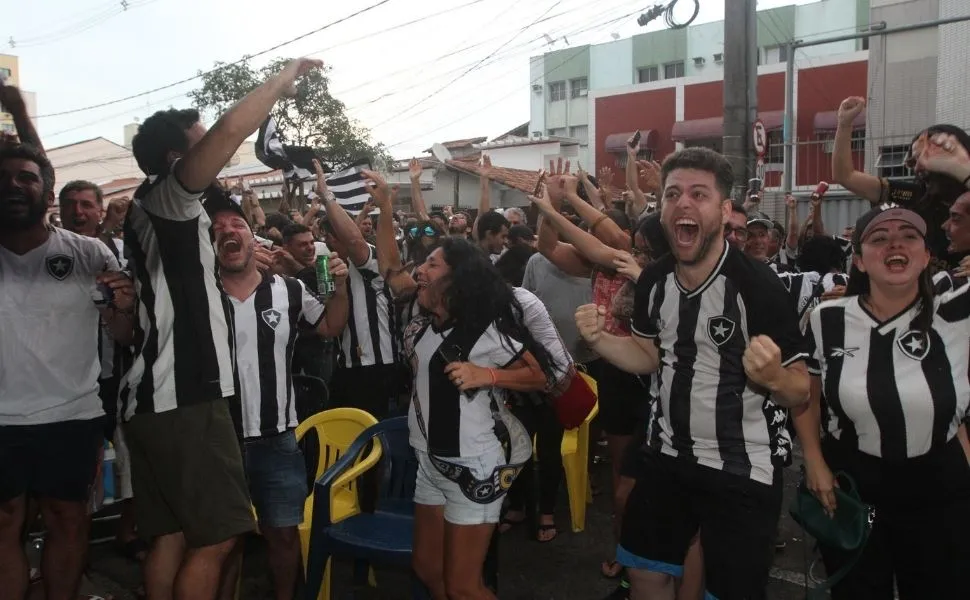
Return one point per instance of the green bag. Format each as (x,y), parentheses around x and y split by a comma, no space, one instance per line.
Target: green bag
(847,530)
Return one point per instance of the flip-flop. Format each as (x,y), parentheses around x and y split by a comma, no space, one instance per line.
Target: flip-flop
(546,527)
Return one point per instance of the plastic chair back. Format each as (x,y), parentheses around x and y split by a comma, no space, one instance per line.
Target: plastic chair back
(399,467)
(575,455)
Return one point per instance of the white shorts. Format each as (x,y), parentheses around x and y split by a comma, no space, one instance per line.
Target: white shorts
(434,489)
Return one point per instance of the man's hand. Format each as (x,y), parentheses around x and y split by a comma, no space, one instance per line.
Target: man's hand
(11,99)
(415,169)
(790,201)
(627,266)
(339,270)
(294,70)
(570,184)
(850,109)
(554,182)
(650,172)
(264,258)
(322,188)
(943,153)
(542,201)
(122,288)
(486,166)
(377,188)
(605,178)
(284,263)
(762,362)
(591,320)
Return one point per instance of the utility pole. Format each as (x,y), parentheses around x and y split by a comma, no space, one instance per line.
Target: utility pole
(740,87)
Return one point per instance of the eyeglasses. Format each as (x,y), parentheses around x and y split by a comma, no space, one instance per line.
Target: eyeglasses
(739,232)
(427,230)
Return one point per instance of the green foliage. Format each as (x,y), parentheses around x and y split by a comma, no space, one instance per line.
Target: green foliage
(312,118)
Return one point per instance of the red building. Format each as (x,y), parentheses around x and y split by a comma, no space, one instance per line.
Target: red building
(689,112)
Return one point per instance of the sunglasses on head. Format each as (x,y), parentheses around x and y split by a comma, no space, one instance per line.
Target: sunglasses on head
(427,230)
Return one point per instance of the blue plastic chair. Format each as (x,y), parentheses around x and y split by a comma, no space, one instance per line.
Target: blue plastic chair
(383,537)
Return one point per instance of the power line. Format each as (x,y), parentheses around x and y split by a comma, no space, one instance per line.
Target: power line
(236,62)
(472,68)
(89,20)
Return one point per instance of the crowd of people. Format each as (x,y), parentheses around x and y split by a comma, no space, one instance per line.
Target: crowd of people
(173,325)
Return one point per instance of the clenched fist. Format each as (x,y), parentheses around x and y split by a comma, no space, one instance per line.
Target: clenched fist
(762,362)
(590,320)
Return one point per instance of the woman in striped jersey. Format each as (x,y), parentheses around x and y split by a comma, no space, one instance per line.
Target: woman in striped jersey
(890,359)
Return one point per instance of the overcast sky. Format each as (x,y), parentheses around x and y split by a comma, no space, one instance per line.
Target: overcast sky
(78,53)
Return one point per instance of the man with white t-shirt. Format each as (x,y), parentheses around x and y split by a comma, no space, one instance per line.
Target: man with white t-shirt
(56,286)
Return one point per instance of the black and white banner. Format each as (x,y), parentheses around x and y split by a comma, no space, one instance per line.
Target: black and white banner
(294,161)
(348,186)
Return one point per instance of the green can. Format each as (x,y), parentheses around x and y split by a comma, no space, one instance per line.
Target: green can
(325,282)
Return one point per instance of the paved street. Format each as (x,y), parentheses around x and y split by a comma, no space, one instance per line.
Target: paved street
(565,569)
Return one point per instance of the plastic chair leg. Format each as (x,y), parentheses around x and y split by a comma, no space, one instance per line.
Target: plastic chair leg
(325,588)
(576,484)
(304,531)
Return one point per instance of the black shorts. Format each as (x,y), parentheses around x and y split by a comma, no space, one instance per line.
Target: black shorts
(54,460)
(737,518)
(188,476)
(623,399)
(634,454)
(373,389)
(108,392)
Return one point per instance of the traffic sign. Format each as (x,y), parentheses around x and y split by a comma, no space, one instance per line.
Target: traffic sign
(760,138)
(760,168)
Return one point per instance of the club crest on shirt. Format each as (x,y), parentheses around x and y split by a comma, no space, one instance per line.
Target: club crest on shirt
(914,344)
(59,266)
(271,317)
(720,329)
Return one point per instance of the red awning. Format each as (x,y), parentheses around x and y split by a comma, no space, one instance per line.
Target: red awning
(713,127)
(616,142)
(829,121)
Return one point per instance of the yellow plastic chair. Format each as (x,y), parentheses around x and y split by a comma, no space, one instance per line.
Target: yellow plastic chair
(575,461)
(336,430)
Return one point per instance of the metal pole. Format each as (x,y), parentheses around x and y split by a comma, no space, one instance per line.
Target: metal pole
(740,86)
(789,175)
(873,33)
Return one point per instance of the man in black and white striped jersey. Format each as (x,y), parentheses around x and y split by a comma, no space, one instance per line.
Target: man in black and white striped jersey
(268,312)
(366,376)
(186,464)
(717,326)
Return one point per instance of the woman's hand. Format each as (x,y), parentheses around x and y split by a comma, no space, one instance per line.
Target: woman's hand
(467,376)
(627,266)
(822,483)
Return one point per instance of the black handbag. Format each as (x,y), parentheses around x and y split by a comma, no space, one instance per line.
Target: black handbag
(848,529)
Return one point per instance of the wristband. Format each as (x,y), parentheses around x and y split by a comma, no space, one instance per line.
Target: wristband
(494,376)
(596,223)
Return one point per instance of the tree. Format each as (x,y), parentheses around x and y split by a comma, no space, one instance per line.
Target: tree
(312,118)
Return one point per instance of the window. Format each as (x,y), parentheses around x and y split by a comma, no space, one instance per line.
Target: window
(892,161)
(4,72)
(578,87)
(559,131)
(557,91)
(858,140)
(648,74)
(579,132)
(775,153)
(674,70)
(718,57)
(773,54)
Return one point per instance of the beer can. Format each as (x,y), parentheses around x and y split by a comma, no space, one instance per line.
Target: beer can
(325,282)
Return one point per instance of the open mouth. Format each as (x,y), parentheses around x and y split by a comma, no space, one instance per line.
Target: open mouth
(230,245)
(896,263)
(686,231)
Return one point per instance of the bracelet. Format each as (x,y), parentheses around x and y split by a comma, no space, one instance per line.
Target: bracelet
(494,376)
(597,222)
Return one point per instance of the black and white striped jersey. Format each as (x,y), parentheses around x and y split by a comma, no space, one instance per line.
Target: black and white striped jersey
(367,338)
(707,413)
(266,327)
(945,281)
(185,354)
(892,390)
(115,358)
(805,289)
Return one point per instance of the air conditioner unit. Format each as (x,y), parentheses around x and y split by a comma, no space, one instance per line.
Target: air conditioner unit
(537,88)
(583,93)
(537,134)
(719,58)
(699,61)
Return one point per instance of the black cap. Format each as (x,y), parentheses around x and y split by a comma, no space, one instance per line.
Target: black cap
(216,200)
(758,218)
(880,214)
(519,233)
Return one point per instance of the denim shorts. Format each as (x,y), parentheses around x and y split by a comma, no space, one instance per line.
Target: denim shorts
(277,479)
(434,489)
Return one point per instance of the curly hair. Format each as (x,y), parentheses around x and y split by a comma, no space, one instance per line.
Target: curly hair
(477,295)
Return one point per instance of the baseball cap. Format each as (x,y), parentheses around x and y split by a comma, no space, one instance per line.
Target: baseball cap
(757,218)
(881,214)
(217,200)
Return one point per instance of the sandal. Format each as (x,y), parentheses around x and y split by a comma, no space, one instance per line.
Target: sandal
(611,569)
(507,524)
(545,528)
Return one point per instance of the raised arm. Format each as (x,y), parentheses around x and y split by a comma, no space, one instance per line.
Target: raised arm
(13,102)
(388,254)
(633,354)
(417,200)
(632,175)
(818,225)
(606,187)
(344,227)
(843,171)
(791,239)
(484,197)
(203,162)
(564,256)
(601,226)
(588,246)
(338,305)
(592,192)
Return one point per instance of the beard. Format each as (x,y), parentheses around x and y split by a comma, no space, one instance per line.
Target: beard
(13,219)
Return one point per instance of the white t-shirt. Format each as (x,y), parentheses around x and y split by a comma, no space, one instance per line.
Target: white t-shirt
(49,364)
(537,320)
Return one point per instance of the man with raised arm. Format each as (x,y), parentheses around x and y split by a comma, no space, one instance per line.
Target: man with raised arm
(186,465)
